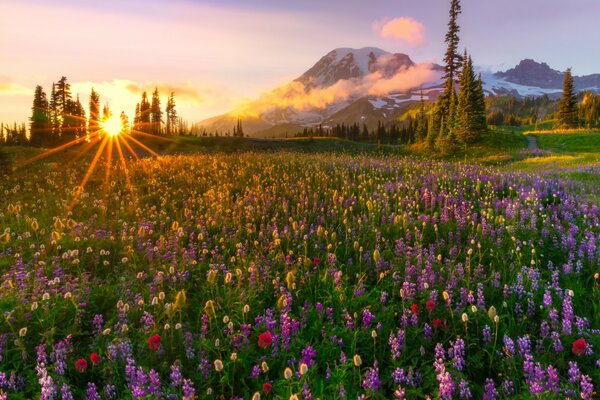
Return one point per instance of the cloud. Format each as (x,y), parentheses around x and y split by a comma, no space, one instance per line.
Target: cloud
(405,29)
(15,89)
(185,91)
(301,98)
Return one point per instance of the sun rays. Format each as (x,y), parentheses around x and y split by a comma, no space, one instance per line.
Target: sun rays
(113,146)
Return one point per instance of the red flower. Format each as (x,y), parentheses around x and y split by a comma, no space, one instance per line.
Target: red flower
(414,308)
(154,342)
(95,358)
(579,347)
(437,324)
(430,306)
(265,339)
(267,388)
(81,365)
(316,261)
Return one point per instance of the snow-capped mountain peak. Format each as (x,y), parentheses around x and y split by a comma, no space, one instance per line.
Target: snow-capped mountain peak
(346,63)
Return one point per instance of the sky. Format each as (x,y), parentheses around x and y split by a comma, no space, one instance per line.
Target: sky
(216,54)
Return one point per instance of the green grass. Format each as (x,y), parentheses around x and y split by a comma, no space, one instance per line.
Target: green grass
(577,142)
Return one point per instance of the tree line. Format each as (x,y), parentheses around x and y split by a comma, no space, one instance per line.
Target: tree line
(61,118)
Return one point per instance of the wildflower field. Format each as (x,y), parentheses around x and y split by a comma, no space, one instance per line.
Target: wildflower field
(291,275)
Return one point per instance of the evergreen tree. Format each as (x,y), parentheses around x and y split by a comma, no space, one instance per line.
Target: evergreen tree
(568,113)
(65,108)
(171,114)
(452,59)
(40,119)
(144,120)
(124,122)
(479,112)
(136,117)
(93,121)
(155,113)
(79,116)
(431,132)
(466,103)
(54,137)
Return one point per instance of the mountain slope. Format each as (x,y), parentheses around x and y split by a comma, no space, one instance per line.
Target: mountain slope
(345,86)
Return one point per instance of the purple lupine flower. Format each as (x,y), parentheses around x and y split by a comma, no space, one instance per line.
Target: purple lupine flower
(508,387)
(92,393)
(587,388)
(509,346)
(489,391)
(573,372)
(458,354)
(567,315)
(189,393)
(367,318)
(306,392)
(427,332)
(463,390)
(65,393)
(547,300)
(553,379)
(371,380)
(308,355)
(155,384)
(176,378)
(486,332)
(396,343)
(110,391)
(556,343)
(524,344)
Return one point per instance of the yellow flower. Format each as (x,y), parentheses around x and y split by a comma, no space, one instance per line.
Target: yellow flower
(281,302)
(357,360)
(376,255)
(209,308)
(212,276)
(180,299)
(34,225)
(290,280)
(55,235)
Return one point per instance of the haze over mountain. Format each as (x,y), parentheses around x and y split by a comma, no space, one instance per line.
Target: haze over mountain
(368,85)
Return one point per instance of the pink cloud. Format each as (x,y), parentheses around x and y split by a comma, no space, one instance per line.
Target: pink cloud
(405,29)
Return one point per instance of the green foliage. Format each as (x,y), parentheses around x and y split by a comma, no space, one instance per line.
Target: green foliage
(568,113)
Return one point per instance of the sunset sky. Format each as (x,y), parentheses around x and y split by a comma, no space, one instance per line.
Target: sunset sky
(215,53)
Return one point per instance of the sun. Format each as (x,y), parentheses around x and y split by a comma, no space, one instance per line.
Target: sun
(112,126)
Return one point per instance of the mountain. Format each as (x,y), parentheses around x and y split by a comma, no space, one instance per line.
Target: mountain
(531,78)
(369,85)
(347,85)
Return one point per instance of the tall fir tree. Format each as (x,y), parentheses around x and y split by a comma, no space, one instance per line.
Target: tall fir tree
(479,116)
(40,119)
(144,120)
(443,120)
(94,109)
(421,130)
(452,59)
(466,102)
(568,112)
(65,108)
(156,113)
(171,115)
(53,113)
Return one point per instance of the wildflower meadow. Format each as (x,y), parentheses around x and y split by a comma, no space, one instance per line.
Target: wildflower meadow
(289,275)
